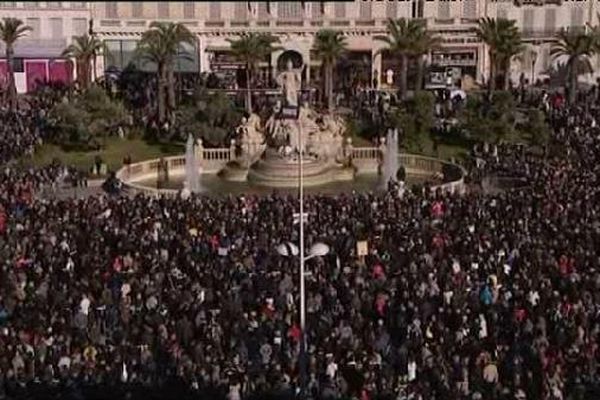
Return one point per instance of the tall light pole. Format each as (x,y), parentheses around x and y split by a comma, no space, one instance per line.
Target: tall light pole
(303,362)
(317,250)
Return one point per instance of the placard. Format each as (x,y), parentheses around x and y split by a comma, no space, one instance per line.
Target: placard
(362,248)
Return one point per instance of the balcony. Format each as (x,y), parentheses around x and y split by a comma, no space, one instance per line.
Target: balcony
(214,24)
(110,22)
(340,22)
(239,23)
(136,24)
(365,22)
(292,22)
(458,62)
(443,21)
(520,3)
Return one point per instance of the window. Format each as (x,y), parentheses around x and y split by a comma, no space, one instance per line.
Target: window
(189,10)
(339,10)
(137,9)
(443,10)
(528,18)
(80,5)
(546,59)
(502,13)
(8,4)
(240,11)
(391,9)
(317,10)
(54,4)
(214,11)
(470,9)
(31,4)
(56,28)
(577,17)
(289,10)
(112,9)
(365,10)
(163,9)
(264,11)
(34,23)
(18,65)
(79,26)
(550,20)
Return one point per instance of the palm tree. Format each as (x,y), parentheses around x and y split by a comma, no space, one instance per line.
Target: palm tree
(84,50)
(504,42)
(252,48)
(424,43)
(11,30)
(577,48)
(400,42)
(329,46)
(161,45)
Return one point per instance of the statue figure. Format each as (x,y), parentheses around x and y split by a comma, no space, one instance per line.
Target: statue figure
(249,129)
(290,82)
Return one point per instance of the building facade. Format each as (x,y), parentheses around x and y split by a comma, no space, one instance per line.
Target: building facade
(38,55)
(121,25)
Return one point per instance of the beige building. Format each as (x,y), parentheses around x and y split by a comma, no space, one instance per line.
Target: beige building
(38,55)
(121,24)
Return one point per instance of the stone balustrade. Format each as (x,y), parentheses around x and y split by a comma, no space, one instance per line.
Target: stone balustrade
(365,159)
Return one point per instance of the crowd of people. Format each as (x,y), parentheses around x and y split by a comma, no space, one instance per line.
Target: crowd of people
(458,297)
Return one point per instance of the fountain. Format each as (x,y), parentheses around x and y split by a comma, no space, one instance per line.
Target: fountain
(192,178)
(266,156)
(390,157)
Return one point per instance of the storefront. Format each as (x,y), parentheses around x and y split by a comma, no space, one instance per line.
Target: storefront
(31,73)
(122,53)
(450,68)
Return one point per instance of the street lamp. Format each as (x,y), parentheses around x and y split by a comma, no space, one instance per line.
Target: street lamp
(316,250)
(533,59)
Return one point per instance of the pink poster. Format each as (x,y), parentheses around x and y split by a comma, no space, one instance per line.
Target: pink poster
(36,74)
(3,74)
(60,71)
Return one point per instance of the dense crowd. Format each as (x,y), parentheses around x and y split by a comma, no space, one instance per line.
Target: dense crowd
(459,297)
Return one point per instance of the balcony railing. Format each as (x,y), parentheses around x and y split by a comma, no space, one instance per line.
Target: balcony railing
(365,22)
(214,24)
(447,62)
(444,21)
(290,23)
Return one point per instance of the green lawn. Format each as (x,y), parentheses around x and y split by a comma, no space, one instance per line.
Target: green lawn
(112,154)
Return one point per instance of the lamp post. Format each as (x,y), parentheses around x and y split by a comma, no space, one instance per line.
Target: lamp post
(533,60)
(317,250)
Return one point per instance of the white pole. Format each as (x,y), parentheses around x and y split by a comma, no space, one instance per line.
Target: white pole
(301,198)
(303,349)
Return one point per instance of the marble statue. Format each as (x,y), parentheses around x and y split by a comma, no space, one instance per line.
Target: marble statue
(290,82)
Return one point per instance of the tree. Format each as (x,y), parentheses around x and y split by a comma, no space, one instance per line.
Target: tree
(400,42)
(329,46)
(213,116)
(161,45)
(11,30)
(84,50)
(504,42)
(252,48)
(90,116)
(424,43)
(577,48)
(536,128)
(415,119)
(489,121)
